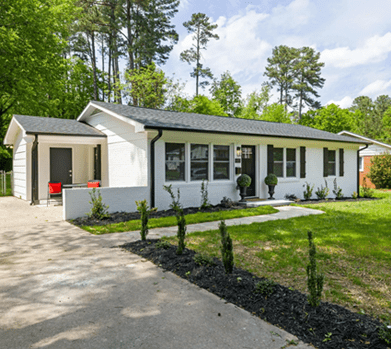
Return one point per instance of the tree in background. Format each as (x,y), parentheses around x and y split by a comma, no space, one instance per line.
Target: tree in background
(307,78)
(198,104)
(386,121)
(331,118)
(297,71)
(228,93)
(255,104)
(280,71)
(202,29)
(276,113)
(145,86)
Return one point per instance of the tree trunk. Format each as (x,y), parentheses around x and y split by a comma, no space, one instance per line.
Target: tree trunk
(109,73)
(93,59)
(103,68)
(198,59)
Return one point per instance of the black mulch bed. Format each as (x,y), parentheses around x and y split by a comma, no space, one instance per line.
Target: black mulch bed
(316,201)
(288,309)
(119,217)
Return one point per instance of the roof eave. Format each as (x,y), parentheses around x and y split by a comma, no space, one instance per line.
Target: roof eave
(65,134)
(250,134)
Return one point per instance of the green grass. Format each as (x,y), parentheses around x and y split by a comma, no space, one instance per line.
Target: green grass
(353,241)
(198,217)
(9,189)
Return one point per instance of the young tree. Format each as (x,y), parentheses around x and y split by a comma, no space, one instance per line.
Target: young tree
(228,93)
(202,29)
(307,77)
(281,73)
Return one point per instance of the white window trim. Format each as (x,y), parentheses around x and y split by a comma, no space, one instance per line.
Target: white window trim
(284,162)
(188,180)
(361,164)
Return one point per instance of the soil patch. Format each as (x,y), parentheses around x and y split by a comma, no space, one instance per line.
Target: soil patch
(327,326)
(119,217)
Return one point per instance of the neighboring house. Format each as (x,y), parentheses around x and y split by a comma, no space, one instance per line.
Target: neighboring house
(366,154)
(144,149)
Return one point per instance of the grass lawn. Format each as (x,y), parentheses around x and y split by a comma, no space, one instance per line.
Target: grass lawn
(353,241)
(9,189)
(198,217)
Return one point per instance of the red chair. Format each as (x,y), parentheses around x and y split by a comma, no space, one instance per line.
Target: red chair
(54,189)
(93,184)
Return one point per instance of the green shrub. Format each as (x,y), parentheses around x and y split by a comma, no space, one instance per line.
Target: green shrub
(144,210)
(308,190)
(365,191)
(99,209)
(226,248)
(355,195)
(163,244)
(380,171)
(265,287)
(204,195)
(202,259)
(322,192)
(244,180)
(315,281)
(337,190)
(180,217)
(271,179)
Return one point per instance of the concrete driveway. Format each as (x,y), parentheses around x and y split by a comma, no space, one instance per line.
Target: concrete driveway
(61,287)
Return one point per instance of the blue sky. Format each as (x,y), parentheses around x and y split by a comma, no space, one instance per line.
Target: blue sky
(353,36)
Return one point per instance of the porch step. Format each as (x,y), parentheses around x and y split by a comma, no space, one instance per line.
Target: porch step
(282,202)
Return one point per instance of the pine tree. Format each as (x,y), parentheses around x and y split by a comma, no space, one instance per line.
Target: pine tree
(202,29)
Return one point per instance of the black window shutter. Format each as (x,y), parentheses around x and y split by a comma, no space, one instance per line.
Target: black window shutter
(270,159)
(302,162)
(325,162)
(341,163)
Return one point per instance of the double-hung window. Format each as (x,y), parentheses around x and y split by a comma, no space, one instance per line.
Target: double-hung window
(331,167)
(284,162)
(175,162)
(290,162)
(199,162)
(278,159)
(221,163)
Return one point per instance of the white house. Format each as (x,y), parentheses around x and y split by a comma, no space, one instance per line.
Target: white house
(366,154)
(135,151)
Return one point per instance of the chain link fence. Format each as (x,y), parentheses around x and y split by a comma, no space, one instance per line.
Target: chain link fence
(6,183)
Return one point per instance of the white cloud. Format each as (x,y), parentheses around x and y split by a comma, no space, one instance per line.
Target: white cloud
(374,50)
(345,102)
(296,14)
(378,87)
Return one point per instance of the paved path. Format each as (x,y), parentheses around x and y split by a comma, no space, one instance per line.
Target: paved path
(285,212)
(61,287)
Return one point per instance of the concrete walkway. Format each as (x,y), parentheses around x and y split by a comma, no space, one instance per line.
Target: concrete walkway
(61,287)
(285,212)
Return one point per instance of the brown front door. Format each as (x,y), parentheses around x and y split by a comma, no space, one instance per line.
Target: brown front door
(248,166)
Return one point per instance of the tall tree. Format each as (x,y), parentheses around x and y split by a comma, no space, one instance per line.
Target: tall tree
(281,73)
(228,93)
(202,29)
(307,78)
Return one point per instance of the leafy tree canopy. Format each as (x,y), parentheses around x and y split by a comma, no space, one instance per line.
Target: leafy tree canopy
(331,118)
(198,104)
(228,93)
(255,104)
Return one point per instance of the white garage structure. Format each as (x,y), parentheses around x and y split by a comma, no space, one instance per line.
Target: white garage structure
(139,150)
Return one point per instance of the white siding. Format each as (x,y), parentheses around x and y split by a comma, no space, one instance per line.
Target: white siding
(20,167)
(190,191)
(126,157)
(374,149)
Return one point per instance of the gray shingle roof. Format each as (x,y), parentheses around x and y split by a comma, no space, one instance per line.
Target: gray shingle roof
(154,118)
(43,125)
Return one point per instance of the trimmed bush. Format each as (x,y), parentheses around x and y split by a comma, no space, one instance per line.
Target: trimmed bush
(271,179)
(244,180)
(380,171)
(227,253)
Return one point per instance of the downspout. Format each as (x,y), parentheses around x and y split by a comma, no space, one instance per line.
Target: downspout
(358,169)
(34,169)
(153,141)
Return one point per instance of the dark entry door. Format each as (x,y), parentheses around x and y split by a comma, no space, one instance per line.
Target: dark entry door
(248,166)
(61,165)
